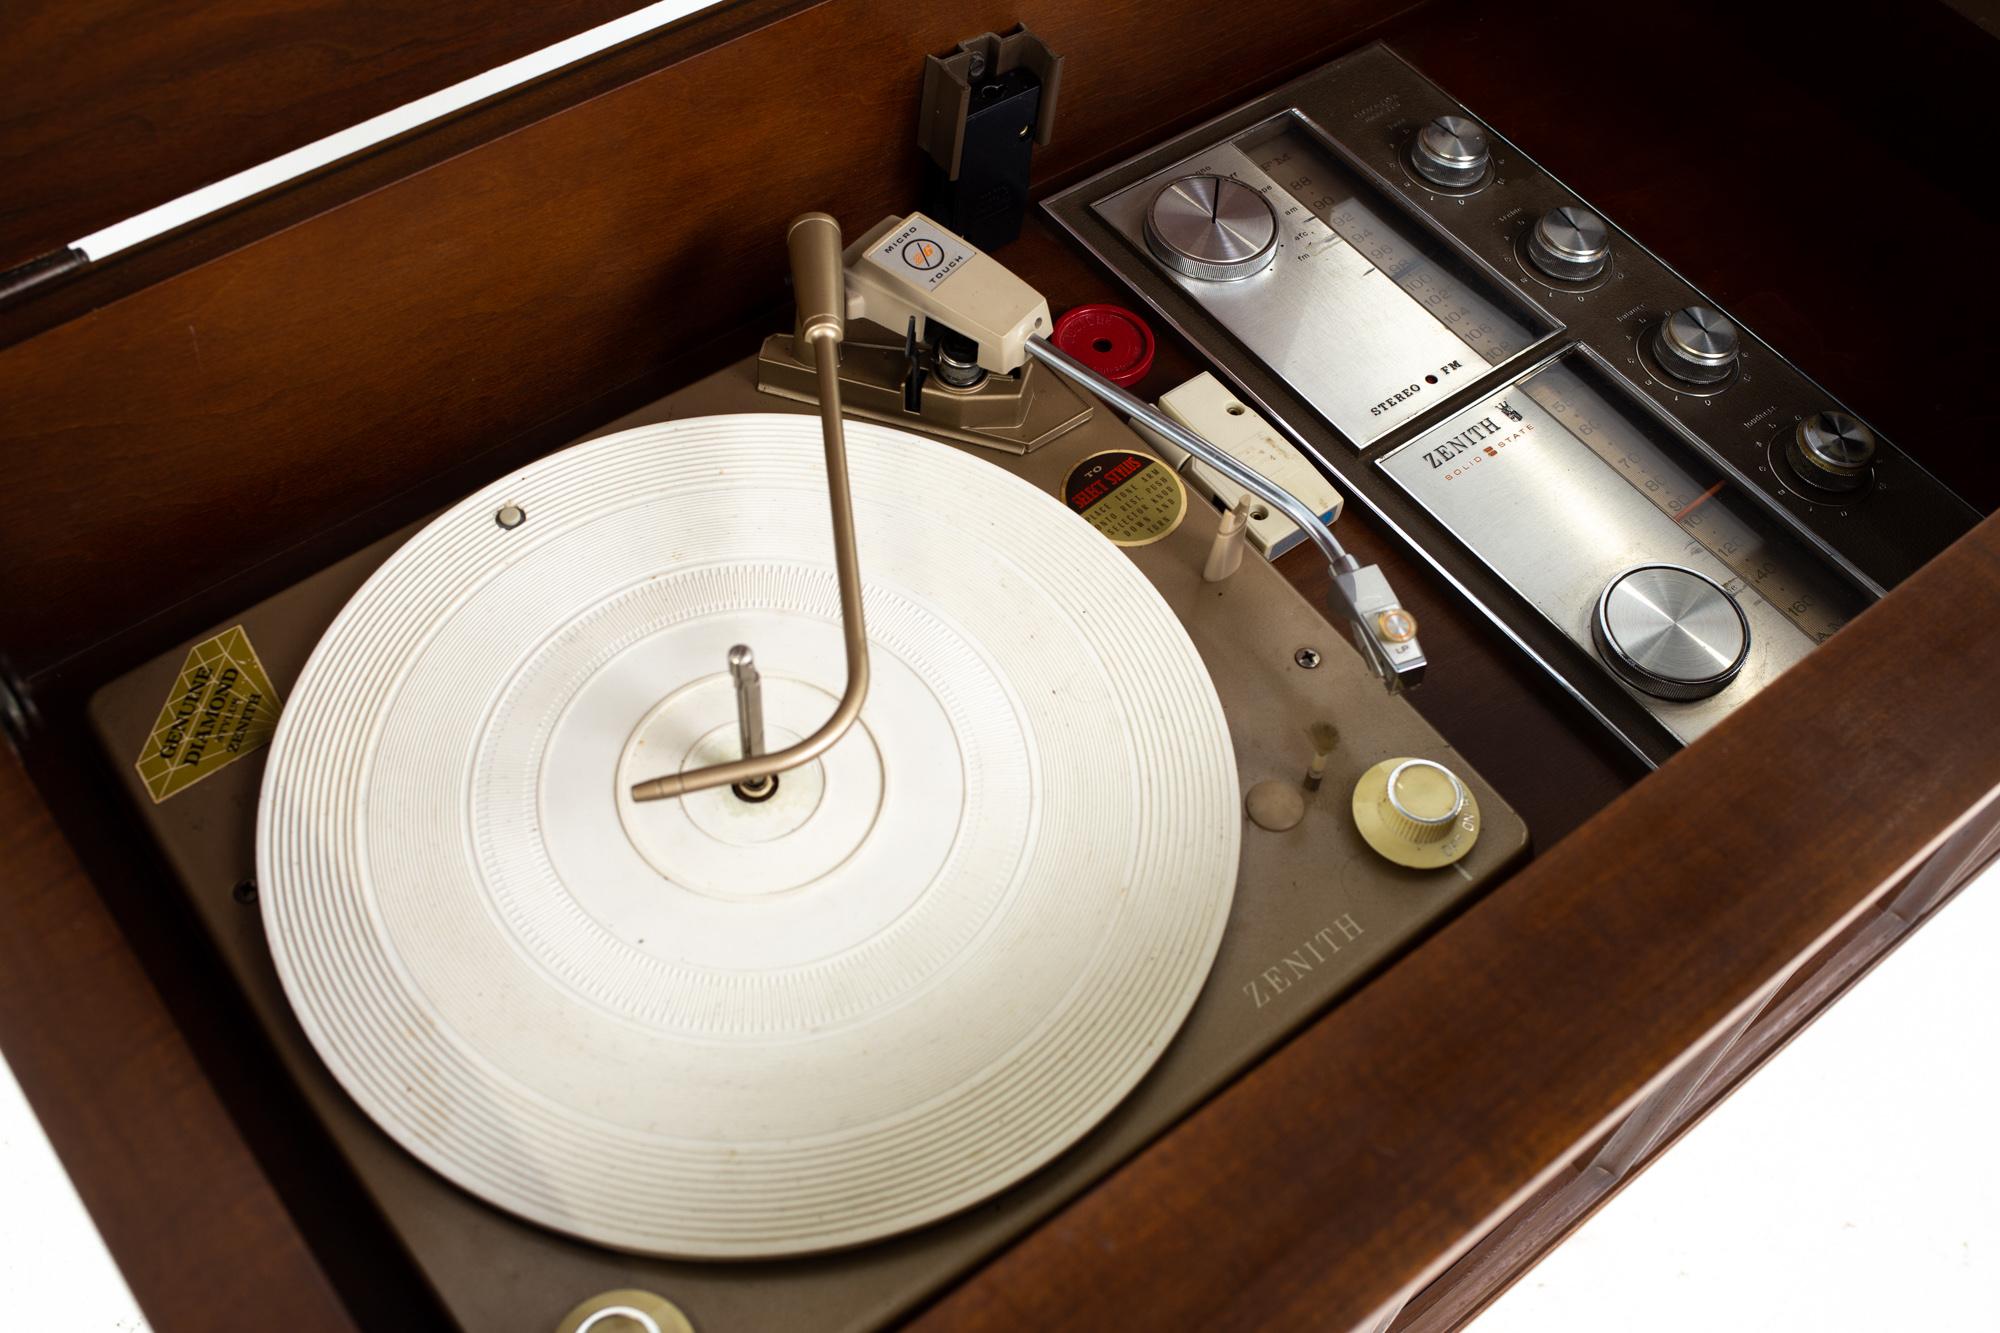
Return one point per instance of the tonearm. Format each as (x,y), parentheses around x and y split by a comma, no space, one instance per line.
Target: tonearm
(978,320)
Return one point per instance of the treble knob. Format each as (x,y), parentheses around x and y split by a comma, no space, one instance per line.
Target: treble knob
(1570,243)
(1450,151)
(1831,450)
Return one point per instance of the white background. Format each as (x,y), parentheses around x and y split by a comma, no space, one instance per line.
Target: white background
(1853,1184)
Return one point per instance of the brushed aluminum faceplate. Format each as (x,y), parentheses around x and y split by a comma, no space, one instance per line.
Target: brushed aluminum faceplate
(1332,320)
(1559,523)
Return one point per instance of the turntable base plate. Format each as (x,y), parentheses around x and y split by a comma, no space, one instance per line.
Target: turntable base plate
(1314,914)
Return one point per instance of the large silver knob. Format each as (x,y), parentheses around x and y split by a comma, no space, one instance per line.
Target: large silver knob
(1831,450)
(1214,228)
(1696,344)
(1570,243)
(1670,632)
(1450,151)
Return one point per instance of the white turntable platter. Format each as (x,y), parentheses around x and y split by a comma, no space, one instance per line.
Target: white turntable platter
(708,1028)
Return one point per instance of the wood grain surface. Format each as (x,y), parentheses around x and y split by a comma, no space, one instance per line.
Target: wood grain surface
(1597,1175)
(110,107)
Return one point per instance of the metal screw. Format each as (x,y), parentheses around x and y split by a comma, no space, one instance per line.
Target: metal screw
(1307,658)
(510,516)
(245,891)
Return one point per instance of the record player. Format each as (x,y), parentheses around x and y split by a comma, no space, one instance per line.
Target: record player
(816,904)
(1085,762)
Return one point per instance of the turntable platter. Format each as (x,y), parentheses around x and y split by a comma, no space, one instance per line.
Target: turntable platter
(708,1027)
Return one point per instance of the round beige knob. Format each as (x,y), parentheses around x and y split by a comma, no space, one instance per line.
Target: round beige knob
(627,1310)
(1416,812)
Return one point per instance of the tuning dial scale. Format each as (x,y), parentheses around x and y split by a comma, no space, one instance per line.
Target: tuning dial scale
(1450,152)
(1212,228)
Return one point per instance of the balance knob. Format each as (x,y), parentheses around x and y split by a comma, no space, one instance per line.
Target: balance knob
(1450,151)
(1696,344)
(1416,813)
(1570,243)
(1214,228)
(1831,450)
(1670,632)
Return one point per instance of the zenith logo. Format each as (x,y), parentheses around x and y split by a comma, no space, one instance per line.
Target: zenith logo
(1318,949)
(1471,436)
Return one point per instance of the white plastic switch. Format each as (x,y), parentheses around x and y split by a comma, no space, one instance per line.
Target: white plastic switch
(1204,406)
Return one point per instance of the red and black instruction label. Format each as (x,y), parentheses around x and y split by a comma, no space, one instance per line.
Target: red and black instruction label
(1131,497)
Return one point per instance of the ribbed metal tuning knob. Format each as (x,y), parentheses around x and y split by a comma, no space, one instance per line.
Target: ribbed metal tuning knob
(1570,243)
(1670,632)
(1831,450)
(1450,151)
(1214,228)
(1696,344)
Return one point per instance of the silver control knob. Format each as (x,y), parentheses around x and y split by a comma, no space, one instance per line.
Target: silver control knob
(1670,632)
(1450,151)
(1696,344)
(1570,243)
(1214,228)
(1831,450)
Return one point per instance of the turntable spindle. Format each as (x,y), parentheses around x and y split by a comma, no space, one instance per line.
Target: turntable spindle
(750,718)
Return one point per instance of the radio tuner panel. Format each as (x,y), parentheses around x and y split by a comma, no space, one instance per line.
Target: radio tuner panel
(1593,506)
(1640,492)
